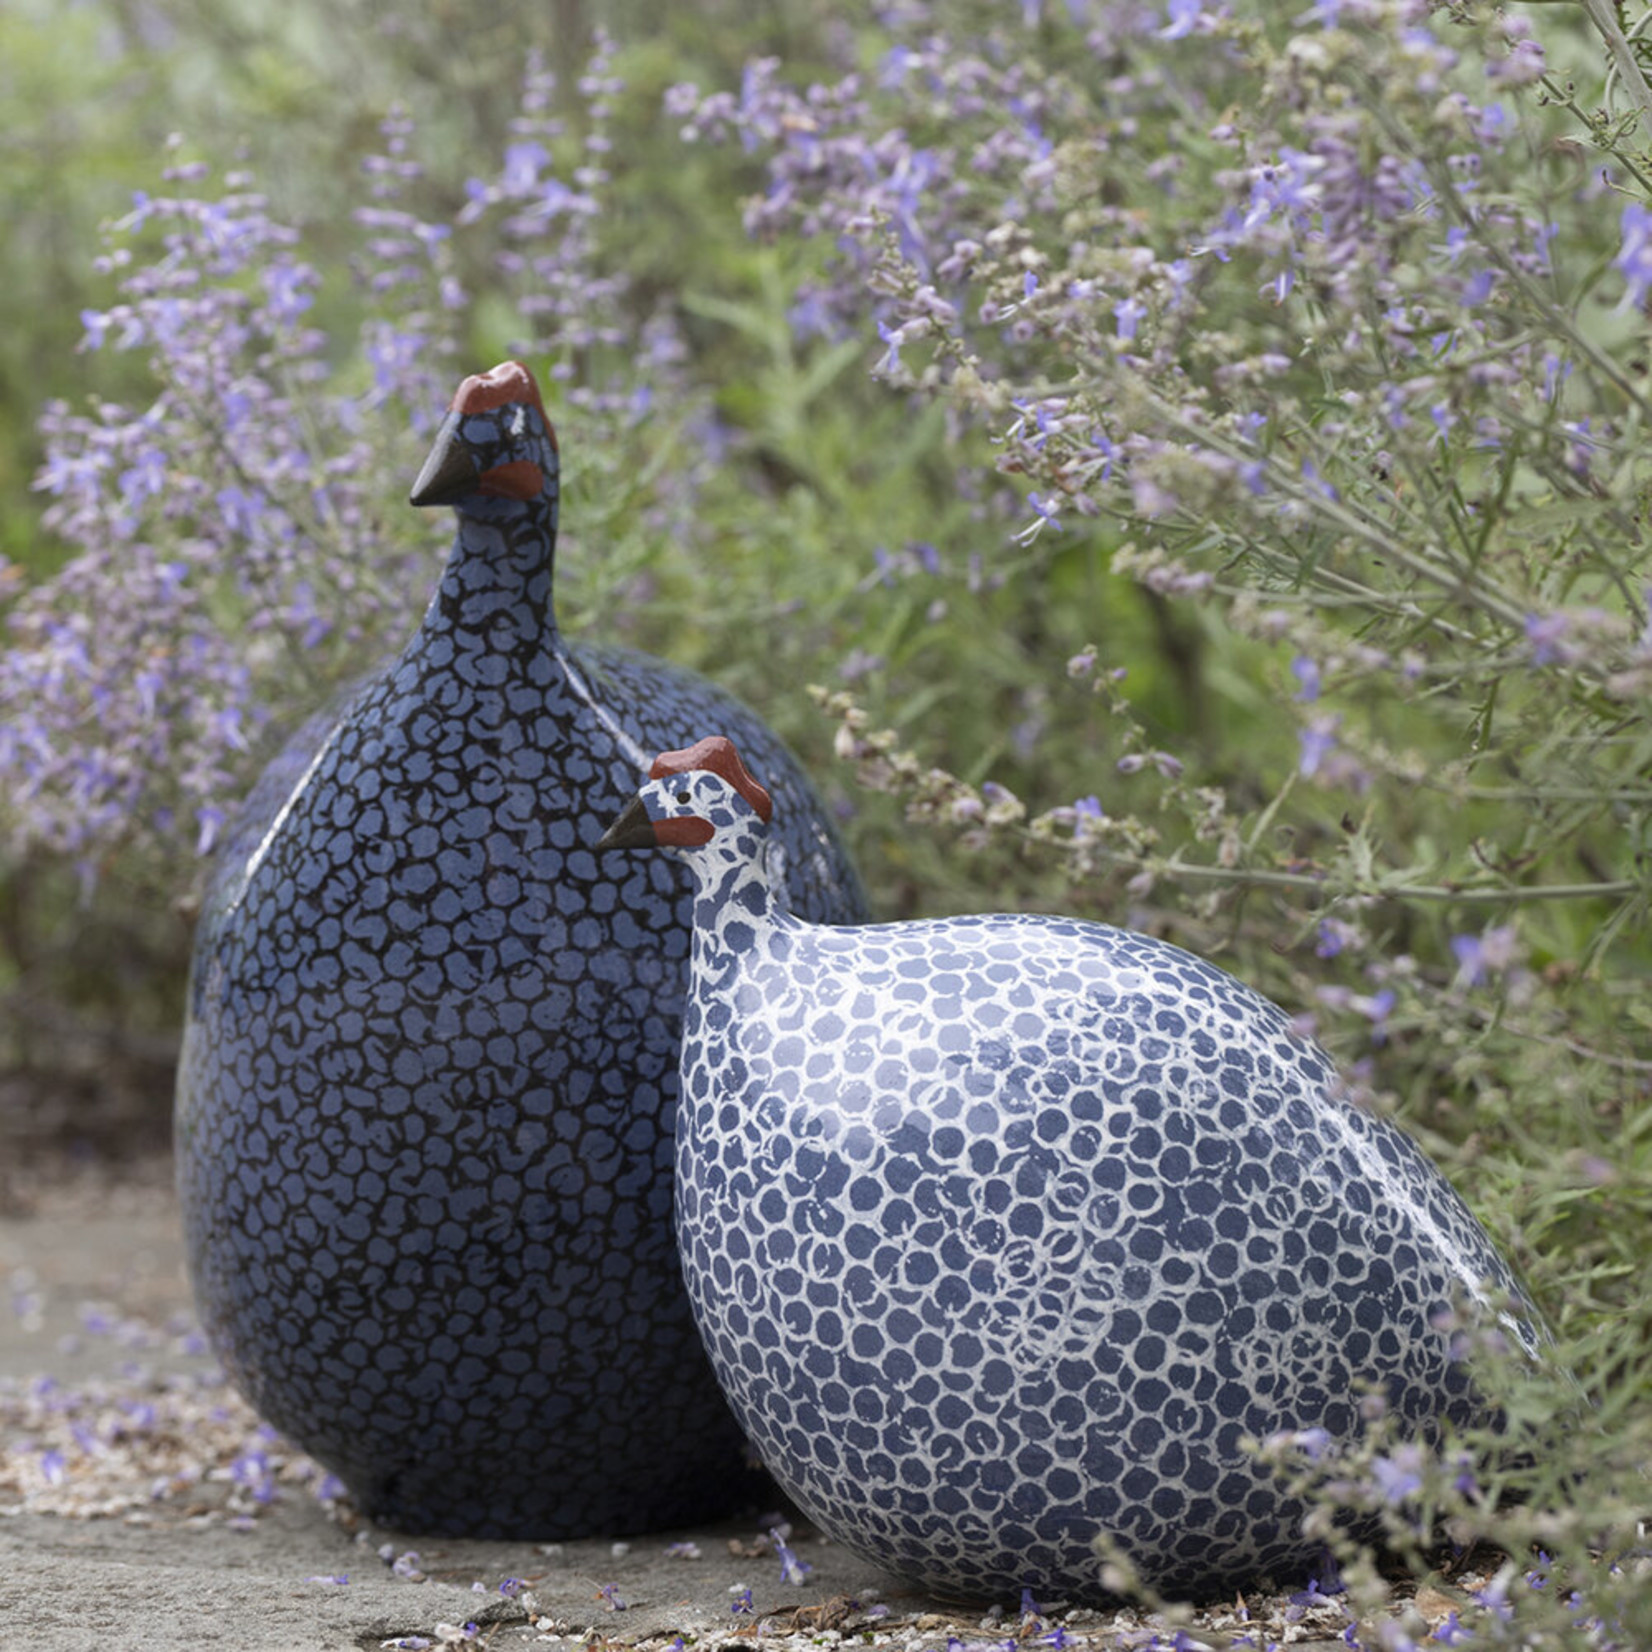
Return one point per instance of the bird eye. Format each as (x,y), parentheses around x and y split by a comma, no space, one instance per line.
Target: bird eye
(685,797)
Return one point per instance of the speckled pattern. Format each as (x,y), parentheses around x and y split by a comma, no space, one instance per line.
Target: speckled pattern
(426,1103)
(1005,1231)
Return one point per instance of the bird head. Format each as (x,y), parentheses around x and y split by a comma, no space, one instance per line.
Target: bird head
(494,444)
(692,796)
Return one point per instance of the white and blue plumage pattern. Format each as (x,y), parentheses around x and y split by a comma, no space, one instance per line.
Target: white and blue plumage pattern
(1004,1232)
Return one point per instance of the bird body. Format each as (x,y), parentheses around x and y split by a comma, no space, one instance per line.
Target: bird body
(425,1103)
(1008,1232)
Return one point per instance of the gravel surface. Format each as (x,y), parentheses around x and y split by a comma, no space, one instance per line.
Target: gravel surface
(143,1506)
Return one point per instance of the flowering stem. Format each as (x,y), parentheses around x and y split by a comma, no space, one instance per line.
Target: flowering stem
(1547,1035)
(1381,888)
(1459,581)
(1558,321)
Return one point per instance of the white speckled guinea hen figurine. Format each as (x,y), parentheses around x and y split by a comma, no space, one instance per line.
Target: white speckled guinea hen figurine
(425,1104)
(1003,1232)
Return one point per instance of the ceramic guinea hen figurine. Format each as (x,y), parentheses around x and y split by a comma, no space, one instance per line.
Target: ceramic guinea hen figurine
(425,1103)
(1003,1232)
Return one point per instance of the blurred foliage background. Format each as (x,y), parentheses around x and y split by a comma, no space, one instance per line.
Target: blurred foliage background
(91,989)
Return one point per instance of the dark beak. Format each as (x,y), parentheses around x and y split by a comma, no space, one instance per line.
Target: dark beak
(633,829)
(449,473)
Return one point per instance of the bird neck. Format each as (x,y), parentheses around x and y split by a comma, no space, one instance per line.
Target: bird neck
(736,900)
(497,583)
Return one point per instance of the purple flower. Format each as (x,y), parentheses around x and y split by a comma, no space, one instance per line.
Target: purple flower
(211,819)
(792,1569)
(1185,16)
(97,324)
(253,1472)
(1317,741)
(1044,515)
(1479,956)
(1546,634)
(286,287)
(1311,1596)
(1128,313)
(1334,937)
(1108,449)
(743,1604)
(891,359)
(1634,259)
(1526,61)
(1316,482)
(1306,672)
(1312,1442)
(1150,496)
(519,175)
(1478,288)
(1376,1007)
(1398,1477)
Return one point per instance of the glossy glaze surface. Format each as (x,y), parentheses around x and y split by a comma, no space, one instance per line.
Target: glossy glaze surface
(1005,1231)
(425,1107)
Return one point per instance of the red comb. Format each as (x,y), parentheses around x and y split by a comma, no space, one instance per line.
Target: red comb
(716,753)
(509,382)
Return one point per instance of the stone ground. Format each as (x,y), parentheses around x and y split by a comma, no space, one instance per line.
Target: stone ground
(144,1509)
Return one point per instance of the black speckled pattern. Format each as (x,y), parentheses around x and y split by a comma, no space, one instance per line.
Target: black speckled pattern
(426,1103)
(1006,1231)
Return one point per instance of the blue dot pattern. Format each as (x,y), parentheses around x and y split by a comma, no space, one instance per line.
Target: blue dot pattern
(1004,1232)
(426,1104)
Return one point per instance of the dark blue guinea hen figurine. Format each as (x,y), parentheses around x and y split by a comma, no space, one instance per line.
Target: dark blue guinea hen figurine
(430,1067)
(1006,1232)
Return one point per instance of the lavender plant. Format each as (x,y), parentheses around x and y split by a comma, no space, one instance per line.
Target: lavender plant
(226,531)
(1328,331)
(1338,394)
(236,532)
(233,543)
(1364,387)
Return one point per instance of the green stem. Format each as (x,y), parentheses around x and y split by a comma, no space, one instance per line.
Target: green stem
(1479,895)
(1378,888)
(1623,56)
(1539,794)
(1458,581)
